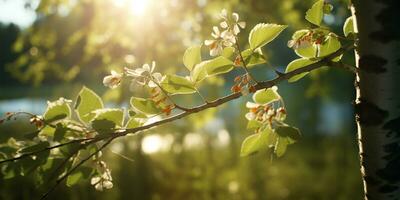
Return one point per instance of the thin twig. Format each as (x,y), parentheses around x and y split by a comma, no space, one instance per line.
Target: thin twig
(169,97)
(61,179)
(242,59)
(45,149)
(201,96)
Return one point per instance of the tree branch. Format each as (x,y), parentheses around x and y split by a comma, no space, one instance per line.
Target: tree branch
(261,85)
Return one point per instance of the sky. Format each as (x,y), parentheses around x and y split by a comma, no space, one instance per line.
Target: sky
(13,11)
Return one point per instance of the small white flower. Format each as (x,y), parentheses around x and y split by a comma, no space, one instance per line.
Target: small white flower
(217,44)
(95,180)
(236,24)
(224,14)
(157,78)
(102,182)
(250,116)
(145,75)
(114,80)
(252,105)
(231,24)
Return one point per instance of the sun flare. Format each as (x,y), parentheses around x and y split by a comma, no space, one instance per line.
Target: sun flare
(139,7)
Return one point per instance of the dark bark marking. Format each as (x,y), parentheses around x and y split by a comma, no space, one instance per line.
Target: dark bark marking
(388,188)
(372,63)
(393,126)
(369,114)
(391,172)
(388,18)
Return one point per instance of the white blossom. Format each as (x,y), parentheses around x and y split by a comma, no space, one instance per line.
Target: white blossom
(231,24)
(114,80)
(145,75)
(219,42)
(104,181)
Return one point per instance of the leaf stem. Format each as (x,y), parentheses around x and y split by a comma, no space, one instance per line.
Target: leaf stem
(242,59)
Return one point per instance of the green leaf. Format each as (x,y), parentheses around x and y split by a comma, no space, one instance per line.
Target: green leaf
(316,13)
(307,52)
(256,142)
(34,148)
(60,132)
(229,52)
(74,178)
(288,131)
(218,65)
(198,73)
(57,110)
(263,33)
(191,57)
(266,96)
(281,146)
(253,124)
(133,123)
(253,57)
(331,45)
(87,102)
(145,106)
(82,173)
(348,26)
(296,64)
(107,119)
(175,84)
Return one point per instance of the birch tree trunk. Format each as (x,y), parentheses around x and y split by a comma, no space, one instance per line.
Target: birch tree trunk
(377,104)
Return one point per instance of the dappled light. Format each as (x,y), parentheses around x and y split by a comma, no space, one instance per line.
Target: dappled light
(195,99)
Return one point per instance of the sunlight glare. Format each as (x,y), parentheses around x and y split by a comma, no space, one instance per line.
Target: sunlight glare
(139,7)
(156,143)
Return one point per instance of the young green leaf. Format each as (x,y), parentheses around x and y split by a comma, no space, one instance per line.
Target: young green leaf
(145,106)
(305,51)
(348,26)
(111,114)
(133,123)
(218,65)
(229,52)
(256,142)
(60,132)
(57,110)
(296,64)
(316,13)
(266,96)
(331,45)
(198,73)
(288,131)
(191,57)
(175,84)
(82,173)
(253,124)
(253,57)
(87,102)
(263,33)
(281,146)
(107,119)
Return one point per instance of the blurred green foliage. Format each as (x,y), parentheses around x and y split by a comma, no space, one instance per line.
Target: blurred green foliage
(80,41)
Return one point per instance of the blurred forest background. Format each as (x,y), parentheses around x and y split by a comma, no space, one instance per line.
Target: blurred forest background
(50,48)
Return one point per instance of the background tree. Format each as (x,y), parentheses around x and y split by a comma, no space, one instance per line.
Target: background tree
(377,98)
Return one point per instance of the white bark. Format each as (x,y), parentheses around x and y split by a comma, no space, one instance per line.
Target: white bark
(378,101)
